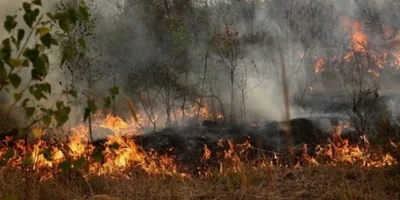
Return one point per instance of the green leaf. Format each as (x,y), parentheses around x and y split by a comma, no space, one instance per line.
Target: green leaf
(43,30)
(27,161)
(73,93)
(47,154)
(46,87)
(73,16)
(107,102)
(40,66)
(6,50)
(20,35)
(6,42)
(92,106)
(31,89)
(29,18)
(54,42)
(3,74)
(25,102)
(25,63)
(114,91)
(84,11)
(65,166)
(36,75)
(15,42)
(29,111)
(14,62)
(37,91)
(44,58)
(10,23)
(9,154)
(61,115)
(82,42)
(63,22)
(79,164)
(68,53)
(37,2)
(17,96)
(15,80)
(86,115)
(47,40)
(31,54)
(46,119)
(27,6)
(60,104)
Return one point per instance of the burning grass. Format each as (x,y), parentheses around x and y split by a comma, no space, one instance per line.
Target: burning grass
(123,169)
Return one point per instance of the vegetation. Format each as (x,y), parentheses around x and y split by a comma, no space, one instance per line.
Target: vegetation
(318,183)
(188,61)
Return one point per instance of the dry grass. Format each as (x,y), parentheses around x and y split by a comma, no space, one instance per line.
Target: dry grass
(326,183)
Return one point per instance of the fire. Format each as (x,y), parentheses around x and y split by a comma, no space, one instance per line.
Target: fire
(120,154)
(341,151)
(359,38)
(319,65)
(363,53)
(117,155)
(115,123)
(207,153)
(198,108)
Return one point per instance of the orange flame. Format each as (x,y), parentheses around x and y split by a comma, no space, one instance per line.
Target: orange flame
(319,65)
(121,154)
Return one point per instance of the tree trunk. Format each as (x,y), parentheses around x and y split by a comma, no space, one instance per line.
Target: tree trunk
(232,97)
(244,106)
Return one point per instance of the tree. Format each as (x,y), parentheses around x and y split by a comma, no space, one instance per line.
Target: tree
(245,85)
(145,84)
(87,66)
(227,48)
(36,59)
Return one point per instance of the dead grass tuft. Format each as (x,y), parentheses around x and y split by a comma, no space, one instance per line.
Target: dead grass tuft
(325,183)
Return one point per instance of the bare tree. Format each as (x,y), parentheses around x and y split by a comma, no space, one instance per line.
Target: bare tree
(227,48)
(245,85)
(144,85)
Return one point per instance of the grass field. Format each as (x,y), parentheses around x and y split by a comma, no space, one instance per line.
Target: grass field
(325,183)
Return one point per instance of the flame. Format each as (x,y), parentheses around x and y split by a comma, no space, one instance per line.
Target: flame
(359,38)
(319,65)
(118,154)
(360,53)
(121,154)
(207,153)
(341,151)
(198,108)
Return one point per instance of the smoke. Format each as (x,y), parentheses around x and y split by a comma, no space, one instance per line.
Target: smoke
(136,47)
(303,29)
(128,40)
